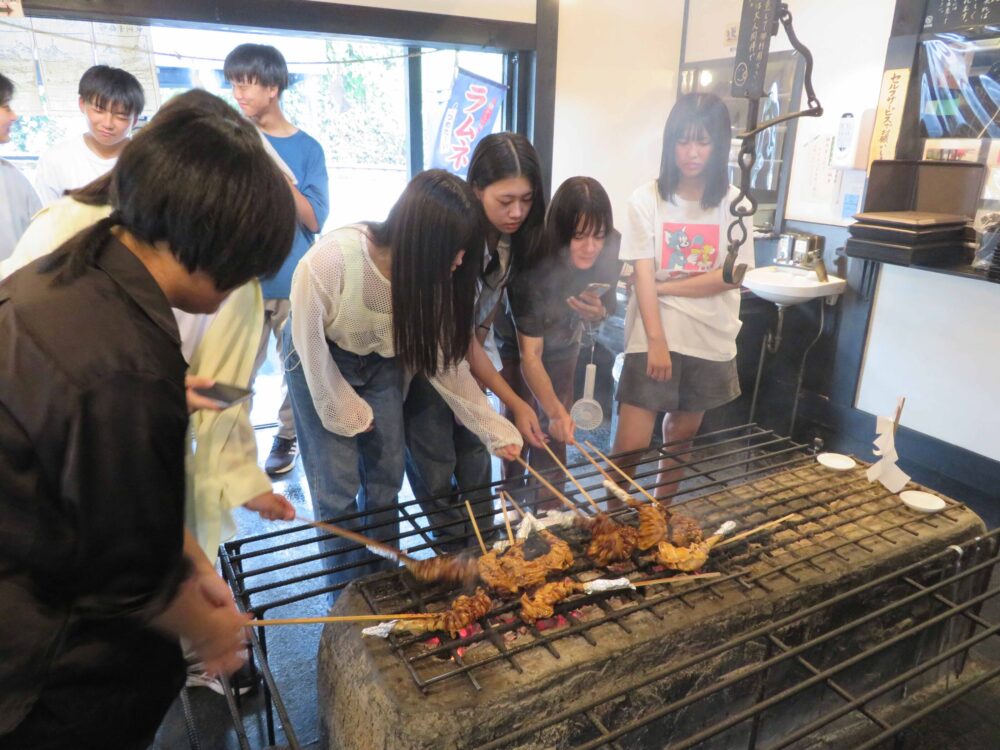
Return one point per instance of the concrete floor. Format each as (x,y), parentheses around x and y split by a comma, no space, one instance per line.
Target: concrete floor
(973,723)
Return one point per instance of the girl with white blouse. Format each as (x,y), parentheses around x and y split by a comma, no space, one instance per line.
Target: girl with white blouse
(372,305)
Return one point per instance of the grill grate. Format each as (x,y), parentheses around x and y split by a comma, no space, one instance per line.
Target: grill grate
(914,597)
(825,517)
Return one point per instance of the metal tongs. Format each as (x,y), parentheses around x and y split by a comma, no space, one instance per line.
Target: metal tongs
(771,11)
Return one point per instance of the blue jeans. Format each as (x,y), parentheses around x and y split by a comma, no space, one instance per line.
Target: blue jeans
(347,475)
(443,459)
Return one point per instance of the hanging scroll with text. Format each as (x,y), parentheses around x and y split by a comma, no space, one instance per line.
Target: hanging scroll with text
(469,116)
(950,15)
(757,26)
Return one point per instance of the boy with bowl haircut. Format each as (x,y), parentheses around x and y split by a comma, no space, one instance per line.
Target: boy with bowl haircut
(111,100)
(258,75)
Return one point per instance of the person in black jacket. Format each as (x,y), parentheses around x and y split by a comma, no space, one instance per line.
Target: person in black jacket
(97,578)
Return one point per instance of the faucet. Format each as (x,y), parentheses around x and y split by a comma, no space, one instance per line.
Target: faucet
(802,250)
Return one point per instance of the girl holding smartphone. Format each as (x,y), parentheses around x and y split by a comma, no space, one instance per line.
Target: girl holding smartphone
(570,284)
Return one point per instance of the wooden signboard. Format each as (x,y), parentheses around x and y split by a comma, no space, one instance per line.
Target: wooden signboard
(750,67)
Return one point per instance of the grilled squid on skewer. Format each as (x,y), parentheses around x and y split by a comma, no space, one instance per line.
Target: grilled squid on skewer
(693,556)
(509,571)
(656,523)
(464,611)
(683,531)
(540,603)
(610,541)
(457,571)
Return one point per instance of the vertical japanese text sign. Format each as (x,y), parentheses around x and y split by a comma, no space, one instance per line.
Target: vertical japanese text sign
(468,116)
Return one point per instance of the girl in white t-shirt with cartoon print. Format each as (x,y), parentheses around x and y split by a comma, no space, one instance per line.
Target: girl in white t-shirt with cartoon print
(682,319)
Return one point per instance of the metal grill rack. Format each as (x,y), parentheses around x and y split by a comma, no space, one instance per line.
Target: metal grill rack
(943,594)
(823,517)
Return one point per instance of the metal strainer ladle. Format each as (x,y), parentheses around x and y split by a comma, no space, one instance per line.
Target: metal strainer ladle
(587,412)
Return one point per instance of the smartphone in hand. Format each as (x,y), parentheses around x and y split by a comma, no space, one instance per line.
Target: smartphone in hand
(225,395)
(597,289)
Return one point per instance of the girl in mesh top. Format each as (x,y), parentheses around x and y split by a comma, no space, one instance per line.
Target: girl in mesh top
(372,305)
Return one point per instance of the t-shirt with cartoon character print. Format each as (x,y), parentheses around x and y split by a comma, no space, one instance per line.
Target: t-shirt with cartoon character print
(683,240)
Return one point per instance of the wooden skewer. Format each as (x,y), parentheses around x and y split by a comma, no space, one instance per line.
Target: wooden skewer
(356,537)
(517,507)
(751,532)
(899,413)
(475,527)
(571,477)
(548,484)
(676,579)
(506,517)
(625,476)
(593,462)
(338,618)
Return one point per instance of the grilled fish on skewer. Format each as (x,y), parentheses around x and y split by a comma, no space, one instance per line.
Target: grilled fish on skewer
(464,611)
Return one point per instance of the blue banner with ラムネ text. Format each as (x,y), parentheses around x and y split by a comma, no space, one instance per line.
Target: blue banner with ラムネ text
(469,115)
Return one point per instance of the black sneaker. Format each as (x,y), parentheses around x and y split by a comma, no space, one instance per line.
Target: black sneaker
(281,459)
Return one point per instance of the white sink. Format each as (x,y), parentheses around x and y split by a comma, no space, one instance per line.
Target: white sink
(784,285)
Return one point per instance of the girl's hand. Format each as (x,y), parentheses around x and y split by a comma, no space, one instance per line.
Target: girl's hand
(562,428)
(509,452)
(272,507)
(658,365)
(527,424)
(588,306)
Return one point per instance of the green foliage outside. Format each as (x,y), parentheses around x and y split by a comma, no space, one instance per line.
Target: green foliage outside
(356,110)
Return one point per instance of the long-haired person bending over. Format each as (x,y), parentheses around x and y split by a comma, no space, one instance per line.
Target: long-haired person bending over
(373,304)
(444,457)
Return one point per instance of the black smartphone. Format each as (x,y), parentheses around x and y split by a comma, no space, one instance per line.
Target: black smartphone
(225,395)
(597,289)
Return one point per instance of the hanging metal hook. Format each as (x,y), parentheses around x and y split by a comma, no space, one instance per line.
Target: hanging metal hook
(744,204)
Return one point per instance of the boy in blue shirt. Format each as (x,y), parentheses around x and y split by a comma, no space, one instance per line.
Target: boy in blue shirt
(259,75)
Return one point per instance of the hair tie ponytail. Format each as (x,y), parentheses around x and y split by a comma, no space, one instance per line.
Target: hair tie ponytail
(71,259)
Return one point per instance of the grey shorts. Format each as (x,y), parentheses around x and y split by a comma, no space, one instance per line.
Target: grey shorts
(695,384)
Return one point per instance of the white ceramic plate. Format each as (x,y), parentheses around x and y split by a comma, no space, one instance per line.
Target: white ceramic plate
(924,502)
(836,461)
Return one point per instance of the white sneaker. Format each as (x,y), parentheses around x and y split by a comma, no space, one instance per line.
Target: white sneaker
(196,678)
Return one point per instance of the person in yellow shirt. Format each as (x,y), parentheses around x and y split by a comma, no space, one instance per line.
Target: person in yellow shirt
(222,470)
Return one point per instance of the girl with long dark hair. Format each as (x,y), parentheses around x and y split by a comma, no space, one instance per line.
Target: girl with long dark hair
(682,320)
(93,420)
(372,304)
(442,457)
(570,284)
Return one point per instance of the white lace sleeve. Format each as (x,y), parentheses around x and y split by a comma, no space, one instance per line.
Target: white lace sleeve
(460,390)
(315,300)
